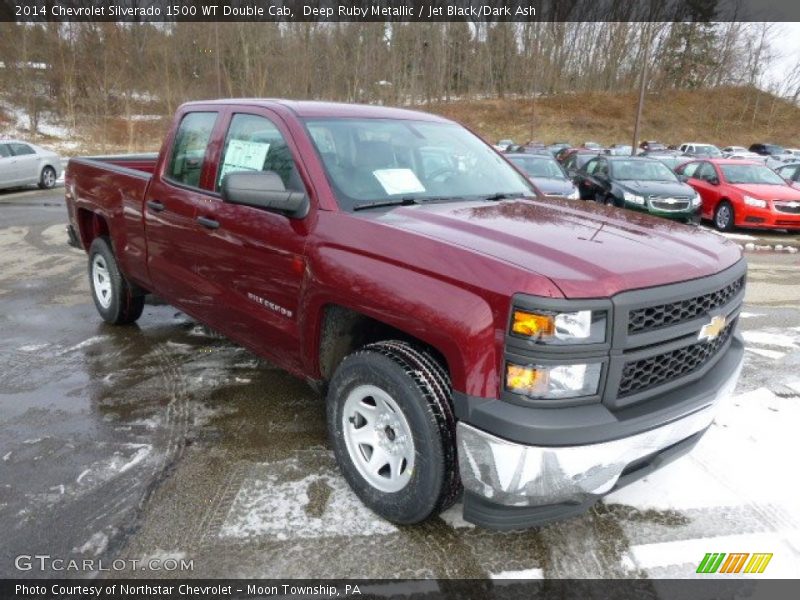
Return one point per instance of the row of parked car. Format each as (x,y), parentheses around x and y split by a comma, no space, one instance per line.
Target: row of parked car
(731,187)
(23,163)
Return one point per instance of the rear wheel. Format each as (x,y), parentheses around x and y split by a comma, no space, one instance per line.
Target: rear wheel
(113,296)
(47,179)
(392,429)
(723,216)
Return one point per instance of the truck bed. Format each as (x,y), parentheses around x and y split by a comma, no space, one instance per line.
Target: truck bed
(146,162)
(114,187)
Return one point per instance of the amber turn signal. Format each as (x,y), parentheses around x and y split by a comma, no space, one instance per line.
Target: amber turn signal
(533,325)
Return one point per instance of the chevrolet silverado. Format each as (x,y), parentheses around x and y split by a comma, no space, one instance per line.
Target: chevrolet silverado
(471,338)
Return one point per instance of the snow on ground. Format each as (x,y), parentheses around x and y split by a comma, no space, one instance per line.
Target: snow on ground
(282,500)
(744,464)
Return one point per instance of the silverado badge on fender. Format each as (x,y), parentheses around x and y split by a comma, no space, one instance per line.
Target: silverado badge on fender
(710,331)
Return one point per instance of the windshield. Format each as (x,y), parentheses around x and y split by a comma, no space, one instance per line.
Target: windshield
(539,166)
(641,170)
(751,174)
(386,160)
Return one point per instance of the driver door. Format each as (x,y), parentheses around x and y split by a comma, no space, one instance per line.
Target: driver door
(253,258)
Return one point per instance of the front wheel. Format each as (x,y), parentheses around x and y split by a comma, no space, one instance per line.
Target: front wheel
(604,199)
(113,296)
(392,430)
(723,216)
(47,179)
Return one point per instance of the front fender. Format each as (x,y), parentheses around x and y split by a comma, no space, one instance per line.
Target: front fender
(459,323)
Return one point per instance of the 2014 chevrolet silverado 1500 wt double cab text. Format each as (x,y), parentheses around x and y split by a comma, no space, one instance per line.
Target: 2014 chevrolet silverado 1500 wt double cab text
(469,335)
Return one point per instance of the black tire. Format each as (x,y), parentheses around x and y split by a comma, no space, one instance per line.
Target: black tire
(724,216)
(116,301)
(421,389)
(47,178)
(604,199)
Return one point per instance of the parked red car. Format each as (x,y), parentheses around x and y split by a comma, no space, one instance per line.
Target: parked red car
(739,193)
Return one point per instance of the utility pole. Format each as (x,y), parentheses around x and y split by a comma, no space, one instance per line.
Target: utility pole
(219,72)
(642,88)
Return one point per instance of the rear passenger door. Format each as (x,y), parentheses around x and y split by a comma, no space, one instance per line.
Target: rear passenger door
(7,177)
(174,237)
(26,163)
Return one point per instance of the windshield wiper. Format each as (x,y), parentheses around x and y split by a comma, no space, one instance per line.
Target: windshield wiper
(406,201)
(504,196)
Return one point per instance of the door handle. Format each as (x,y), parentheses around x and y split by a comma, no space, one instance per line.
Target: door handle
(208,223)
(155,205)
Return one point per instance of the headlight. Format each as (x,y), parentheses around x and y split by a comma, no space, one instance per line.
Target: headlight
(758,203)
(553,381)
(574,195)
(697,200)
(582,327)
(633,198)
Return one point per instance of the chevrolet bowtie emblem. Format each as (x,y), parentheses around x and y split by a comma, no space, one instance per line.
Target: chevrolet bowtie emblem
(711,330)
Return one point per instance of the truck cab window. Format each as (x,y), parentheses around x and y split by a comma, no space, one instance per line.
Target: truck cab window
(254,143)
(189,148)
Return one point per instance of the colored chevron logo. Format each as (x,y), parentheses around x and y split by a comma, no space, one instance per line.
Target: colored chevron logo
(719,562)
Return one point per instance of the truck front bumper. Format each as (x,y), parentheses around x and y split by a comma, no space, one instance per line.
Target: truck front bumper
(511,485)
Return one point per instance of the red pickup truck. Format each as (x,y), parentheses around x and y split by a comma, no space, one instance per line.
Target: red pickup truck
(470,337)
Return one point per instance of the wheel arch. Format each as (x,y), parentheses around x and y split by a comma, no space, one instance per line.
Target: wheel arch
(91,225)
(343,330)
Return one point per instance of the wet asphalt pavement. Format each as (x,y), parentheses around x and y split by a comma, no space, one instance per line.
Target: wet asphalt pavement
(164,440)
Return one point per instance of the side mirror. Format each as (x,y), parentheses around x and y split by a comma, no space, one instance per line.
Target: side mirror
(714,181)
(683,178)
(263,189)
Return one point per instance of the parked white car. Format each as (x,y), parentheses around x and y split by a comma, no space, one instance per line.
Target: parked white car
(700,149)
(740,152)
(23,163)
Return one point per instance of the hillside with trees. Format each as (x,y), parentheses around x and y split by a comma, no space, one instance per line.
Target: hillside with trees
(111,84)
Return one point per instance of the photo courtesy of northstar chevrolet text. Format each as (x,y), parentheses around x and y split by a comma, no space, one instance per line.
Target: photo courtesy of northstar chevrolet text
(450,299)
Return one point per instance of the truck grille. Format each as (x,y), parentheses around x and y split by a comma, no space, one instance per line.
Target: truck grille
(664,315)
(640,375)
(785,208)
(669,204)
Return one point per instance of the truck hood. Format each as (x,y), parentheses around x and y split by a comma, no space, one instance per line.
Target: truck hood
(588,251)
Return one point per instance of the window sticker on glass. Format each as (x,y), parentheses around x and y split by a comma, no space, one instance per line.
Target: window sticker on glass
(399,181)
(242,155)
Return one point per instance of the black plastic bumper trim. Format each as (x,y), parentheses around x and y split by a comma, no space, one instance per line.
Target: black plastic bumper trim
(72,238)
(595,423)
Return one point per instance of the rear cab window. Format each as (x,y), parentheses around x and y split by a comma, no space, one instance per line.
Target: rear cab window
(189,148)
(4,151)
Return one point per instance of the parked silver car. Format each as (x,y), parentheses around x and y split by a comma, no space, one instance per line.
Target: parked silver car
(23,163)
